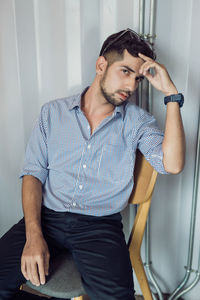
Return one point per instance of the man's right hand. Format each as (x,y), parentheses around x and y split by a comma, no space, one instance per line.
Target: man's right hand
(35,260)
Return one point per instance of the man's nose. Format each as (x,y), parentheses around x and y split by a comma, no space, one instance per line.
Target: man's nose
(131,85)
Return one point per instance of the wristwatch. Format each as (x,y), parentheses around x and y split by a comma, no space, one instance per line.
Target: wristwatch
(175,98)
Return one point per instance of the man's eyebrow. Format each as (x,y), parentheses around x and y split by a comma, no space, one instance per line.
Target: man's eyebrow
(131,70)
(128,68)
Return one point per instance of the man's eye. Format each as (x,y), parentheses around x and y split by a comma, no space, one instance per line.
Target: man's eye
(125,71)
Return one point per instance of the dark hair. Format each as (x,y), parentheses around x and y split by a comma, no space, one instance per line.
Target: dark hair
(130,40)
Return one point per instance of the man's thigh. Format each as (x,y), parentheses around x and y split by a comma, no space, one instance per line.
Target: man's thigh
(11,248)
(102,257)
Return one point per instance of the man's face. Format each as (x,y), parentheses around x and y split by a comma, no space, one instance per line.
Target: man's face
(121,79)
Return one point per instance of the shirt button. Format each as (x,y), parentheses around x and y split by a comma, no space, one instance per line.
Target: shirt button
(88,127)
(89,146)
(80,186)
(74,203)
(84,166)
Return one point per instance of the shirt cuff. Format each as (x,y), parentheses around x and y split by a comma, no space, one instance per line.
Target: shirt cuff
(156,159)
(39,174)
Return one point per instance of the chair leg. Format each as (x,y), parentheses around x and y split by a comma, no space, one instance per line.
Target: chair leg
(141,277)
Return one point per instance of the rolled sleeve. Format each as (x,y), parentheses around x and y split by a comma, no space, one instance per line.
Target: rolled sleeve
(36,156)
(150,142)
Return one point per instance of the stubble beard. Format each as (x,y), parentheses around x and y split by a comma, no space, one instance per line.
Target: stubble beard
(110,97)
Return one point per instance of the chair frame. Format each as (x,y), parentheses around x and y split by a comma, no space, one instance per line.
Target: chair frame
(145,179)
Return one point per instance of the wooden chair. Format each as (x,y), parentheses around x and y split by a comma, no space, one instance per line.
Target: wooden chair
(64,267)
(145,179)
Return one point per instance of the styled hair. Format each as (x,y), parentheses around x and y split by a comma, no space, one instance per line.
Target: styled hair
(114,46)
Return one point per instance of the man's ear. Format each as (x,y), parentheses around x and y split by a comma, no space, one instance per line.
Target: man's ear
(101,65)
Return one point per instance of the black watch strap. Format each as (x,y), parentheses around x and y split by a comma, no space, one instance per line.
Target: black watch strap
(175,98)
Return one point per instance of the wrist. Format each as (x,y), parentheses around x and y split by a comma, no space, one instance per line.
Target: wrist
(171,92)
(33,231)
(34,236)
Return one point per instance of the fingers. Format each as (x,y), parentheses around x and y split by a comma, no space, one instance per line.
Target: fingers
(144,69)
(23,269)
(41,270)
(35,269)
(144,57)
(159,78)
(149,64)
(46,264)
(34,266)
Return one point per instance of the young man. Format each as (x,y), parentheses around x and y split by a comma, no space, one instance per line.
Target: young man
(78,169)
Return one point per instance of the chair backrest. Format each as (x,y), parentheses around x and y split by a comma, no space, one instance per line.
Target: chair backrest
(144,182)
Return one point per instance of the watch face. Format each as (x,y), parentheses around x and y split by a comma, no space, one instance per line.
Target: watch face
(177,97)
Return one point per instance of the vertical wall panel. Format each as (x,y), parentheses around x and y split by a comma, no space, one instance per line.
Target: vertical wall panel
(25,35)
(108,20)
(51,39)
(124,14)
(89,39)
(11,121)
(73,45)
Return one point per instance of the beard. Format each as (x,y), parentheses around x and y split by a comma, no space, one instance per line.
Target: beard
(112,97)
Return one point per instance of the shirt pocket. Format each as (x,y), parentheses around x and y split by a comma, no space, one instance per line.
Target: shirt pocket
(115,164)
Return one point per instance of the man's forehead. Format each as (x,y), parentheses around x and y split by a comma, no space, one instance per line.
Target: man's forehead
(130,61)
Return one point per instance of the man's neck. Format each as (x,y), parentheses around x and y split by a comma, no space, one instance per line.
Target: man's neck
(94,104)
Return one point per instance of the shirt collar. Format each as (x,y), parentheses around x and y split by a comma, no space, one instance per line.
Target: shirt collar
(77,103)
(120,110)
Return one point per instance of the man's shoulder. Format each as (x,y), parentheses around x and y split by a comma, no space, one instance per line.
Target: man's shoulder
(61,103)
(134,112)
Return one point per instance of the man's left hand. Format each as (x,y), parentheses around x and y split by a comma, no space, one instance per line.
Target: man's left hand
(160,79)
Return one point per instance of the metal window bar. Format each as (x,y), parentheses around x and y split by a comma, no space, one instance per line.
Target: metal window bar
(179,291)
(150,37)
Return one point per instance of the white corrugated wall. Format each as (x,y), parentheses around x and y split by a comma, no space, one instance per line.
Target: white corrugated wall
(48,49)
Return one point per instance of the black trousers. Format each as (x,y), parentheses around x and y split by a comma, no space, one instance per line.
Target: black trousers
(96,243)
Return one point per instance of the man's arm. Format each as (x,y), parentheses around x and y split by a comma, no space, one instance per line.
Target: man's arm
(35,256)
(174,138)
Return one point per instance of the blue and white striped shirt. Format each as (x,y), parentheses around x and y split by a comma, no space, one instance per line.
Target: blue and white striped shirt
(84,173)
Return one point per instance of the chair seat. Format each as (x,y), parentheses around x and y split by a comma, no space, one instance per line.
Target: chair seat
(64,280)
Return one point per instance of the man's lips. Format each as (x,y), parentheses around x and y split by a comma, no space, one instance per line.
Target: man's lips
(123,96)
